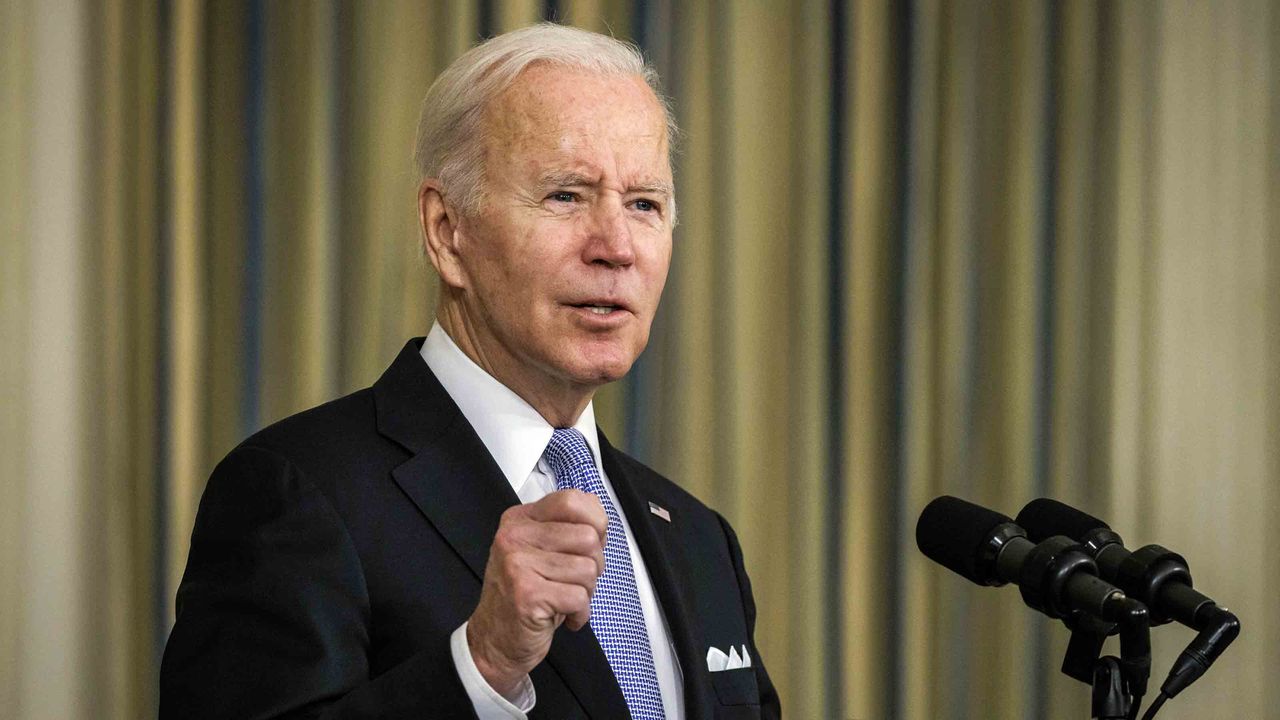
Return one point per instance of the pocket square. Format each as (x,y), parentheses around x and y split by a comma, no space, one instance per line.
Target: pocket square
(717,661)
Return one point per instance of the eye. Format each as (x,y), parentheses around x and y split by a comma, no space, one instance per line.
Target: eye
(645,206)
(563,196)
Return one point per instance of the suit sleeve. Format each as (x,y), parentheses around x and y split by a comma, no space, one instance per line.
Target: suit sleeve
(273,613)
(770,705)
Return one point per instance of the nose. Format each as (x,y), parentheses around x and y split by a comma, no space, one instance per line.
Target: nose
(610,242)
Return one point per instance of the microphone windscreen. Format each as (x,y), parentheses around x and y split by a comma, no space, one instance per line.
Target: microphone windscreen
(1045,517)
(952,533)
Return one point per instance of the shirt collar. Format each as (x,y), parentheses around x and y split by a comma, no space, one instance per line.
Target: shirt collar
(513,432)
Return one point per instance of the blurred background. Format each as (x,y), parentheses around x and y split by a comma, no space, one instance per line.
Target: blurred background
(994,249)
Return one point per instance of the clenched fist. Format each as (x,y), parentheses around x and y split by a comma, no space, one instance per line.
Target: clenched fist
(542,570)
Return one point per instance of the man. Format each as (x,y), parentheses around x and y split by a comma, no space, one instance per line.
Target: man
(459,540)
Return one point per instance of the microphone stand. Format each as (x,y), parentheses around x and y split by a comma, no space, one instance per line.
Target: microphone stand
(1118,683)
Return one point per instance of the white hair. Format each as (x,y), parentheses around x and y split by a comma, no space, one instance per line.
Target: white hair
(450,141)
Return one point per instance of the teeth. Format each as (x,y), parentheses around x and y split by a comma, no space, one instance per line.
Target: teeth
(600,309)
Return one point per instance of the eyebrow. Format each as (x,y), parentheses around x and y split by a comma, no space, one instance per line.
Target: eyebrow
(577,179)
(660,188)
(564,179)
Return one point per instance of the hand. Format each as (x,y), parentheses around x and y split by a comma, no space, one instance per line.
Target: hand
(542,570)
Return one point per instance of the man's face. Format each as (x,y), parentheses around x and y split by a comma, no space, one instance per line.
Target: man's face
(564,262)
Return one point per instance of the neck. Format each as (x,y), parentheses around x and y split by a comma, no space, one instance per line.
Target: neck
(560,403)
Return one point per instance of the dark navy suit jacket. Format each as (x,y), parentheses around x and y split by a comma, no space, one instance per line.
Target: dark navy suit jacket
(336,551)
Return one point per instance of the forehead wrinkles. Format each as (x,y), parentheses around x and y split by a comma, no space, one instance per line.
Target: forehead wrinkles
(551,111)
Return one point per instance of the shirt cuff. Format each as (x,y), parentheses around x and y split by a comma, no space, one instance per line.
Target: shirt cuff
(489,705)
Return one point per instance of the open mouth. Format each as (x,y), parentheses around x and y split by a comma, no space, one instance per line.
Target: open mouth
(597,308)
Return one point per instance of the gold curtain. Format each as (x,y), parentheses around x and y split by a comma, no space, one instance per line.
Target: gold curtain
(992,249)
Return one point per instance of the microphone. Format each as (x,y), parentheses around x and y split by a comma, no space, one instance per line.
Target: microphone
(1158,577)
(1055,576)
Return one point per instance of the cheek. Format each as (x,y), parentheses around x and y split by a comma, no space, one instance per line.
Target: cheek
(516,289)
(499,260)
(657,263)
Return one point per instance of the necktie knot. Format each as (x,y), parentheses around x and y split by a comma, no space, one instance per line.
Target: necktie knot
(571,460)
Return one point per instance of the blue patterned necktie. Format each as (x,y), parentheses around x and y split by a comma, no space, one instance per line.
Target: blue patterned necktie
(616,618)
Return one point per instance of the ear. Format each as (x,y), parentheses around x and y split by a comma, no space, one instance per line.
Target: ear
(439,221)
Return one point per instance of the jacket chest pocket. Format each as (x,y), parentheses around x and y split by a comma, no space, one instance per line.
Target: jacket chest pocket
(737,687)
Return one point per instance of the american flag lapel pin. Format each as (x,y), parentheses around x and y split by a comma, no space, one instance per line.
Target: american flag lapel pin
(660,511)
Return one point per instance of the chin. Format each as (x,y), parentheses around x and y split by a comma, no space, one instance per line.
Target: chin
(601,368)
(602,373)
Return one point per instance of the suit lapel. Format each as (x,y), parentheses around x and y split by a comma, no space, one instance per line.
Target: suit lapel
(451,477)
(458,487)
(659,543)
(456,484)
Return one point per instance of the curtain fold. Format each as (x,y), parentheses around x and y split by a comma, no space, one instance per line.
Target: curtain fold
(15,310)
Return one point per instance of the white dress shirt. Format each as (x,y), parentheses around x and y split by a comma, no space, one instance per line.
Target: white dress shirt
(516,436)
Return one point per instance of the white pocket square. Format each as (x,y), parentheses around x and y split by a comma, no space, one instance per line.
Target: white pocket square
(717,661)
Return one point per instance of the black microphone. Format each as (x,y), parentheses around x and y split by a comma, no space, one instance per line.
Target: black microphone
(1158,577)
(1055,576)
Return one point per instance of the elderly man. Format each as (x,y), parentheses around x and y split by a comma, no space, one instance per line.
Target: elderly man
(459,540)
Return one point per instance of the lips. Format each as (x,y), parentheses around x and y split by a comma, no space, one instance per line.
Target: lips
(600,306)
